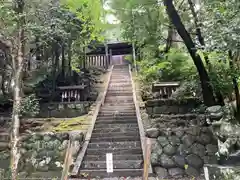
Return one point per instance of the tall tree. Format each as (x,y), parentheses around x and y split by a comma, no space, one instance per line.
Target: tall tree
(18,62)
(208,95)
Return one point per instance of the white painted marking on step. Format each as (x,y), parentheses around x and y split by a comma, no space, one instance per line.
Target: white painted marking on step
(109,162)
(206,173)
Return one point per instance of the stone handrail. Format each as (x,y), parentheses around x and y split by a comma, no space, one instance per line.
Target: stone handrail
(73,93)
(165,89)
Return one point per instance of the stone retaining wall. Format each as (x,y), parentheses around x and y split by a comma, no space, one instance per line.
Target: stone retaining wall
(181,152)
(43,153)
(63,110)
(171,106)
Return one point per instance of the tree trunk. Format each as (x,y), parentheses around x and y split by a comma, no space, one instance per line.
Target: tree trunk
(69,56)
(219,95)
(169,39)
(18,67)
(207,90)
(235,83)
(3,83)
(63,60)
(56,64)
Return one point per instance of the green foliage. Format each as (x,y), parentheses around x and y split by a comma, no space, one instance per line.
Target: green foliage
(30,106)
(129,58)
(173,66)
(221,77)
(76,61)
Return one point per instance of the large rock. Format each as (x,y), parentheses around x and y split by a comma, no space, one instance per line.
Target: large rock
(166,161)
(157,148)
(215,112)
(198,149)
(160,109)
(211,149)
(188,140)
(154,159)
(204,138)
(162,140)
(174,140)
(161,172)
(183,150)
(210,160)
(176,172)
(194,161)
(63,136)
(195,131)
(179,133)
(191,171)
(36,137)
(179,160)
(47,137)
(76,136)
(169,150)
(64,145)
(152,132)
(214,109)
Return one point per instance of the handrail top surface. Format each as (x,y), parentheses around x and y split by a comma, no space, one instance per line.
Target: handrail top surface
(72,87)
(164,84)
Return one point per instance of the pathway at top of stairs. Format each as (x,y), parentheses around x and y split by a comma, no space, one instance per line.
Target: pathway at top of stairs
(115,131)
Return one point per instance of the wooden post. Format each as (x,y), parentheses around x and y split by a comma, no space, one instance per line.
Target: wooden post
(67,161)
(110,58)
(147,159)
(134,57)
(85,58)
(106,64)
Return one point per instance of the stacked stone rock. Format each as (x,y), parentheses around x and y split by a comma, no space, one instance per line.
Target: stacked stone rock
(45,152)
(183,152)
(184,143)
(171,106)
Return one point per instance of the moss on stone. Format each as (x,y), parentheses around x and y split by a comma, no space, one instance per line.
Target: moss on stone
(77,123)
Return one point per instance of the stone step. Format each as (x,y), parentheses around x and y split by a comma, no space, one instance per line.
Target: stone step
(118,114)
(101,173)
(112,112)
(122,121)
(116,129)
(117,164)
(120,86)
(120,91)
(114,139)
(115,157)
(119,104)
(129,144)
(117,117)
(119,97)
(116,108)
(116,151)
(4,137)
(120,81)
(118,100)
(4,145)
(124,126)
(114,134)
(119,94)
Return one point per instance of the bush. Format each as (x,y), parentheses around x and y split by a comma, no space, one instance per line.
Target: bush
(188,89)
(173,66)
(30,106)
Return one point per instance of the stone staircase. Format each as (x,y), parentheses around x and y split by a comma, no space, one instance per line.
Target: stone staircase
(116,131)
